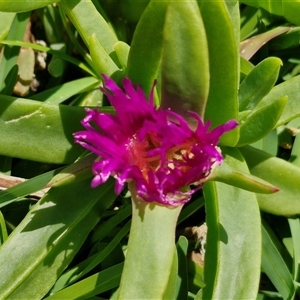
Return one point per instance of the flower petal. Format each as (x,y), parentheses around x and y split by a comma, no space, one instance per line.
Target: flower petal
(156,148)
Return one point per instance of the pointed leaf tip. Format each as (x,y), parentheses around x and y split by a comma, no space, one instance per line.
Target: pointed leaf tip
(227,174)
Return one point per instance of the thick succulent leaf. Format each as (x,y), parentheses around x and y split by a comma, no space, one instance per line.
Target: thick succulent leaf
(288,9)
(80,169)
(233,243)
(60,93)
(3,230)
(222,103)
(171,288)
(30,186)
(152,241)
(92,285)
(234,13)
(102,62)
(39,131)
(234,171)
(62,286)
(102,231)
(261,121)
(289,88)
(88,21)
(185,85)
(274,265)
(23,5)
(291,11)
(248,20)
(258,83)
(6,19)
(196,278)
(182,280)
(9,57)
(268,144)
(295,155)
(282,174)
(47,239)
(145,53)
(83,267)
(122,50)
(245,66)
(294,224)
(57,66)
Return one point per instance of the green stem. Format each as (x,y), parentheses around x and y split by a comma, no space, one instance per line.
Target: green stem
(150,251)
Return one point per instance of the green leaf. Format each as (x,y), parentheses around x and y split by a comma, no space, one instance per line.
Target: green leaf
(81,169)
(10,80)
(104,229)
(295,155)
(92,285)
(59,54)
(59,94)
(88,21)
(196,278)
(122,50)
(261,121)
(91,98)
(39,131)
(10,55)
(57,66)
(185,68)
(233,243)
(291,10)
(288,9)
(102,62)
(23,5)
(3,230)
(245,67)
(106,251)
(47,239)
(182,279)
(171,288)
(234,171)
(290,89)
(27,187)
(286,178)
(145,53)
(222,104)
(273,264)
(53,24)
(294,224)
(249,21)
(6,19)
(259,82)
(234,13)
(268,144)
(150,252)
(69,275)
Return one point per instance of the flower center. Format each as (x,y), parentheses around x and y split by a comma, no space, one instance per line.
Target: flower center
(169,159)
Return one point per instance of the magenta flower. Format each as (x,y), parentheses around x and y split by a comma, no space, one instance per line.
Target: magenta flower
(156,149)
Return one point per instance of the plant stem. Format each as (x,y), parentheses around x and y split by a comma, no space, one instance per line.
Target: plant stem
(150,251)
